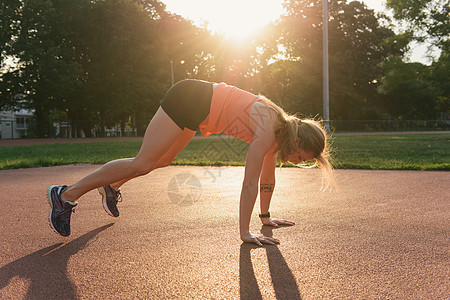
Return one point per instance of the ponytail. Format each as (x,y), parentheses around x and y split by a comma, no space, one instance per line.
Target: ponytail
(295,134)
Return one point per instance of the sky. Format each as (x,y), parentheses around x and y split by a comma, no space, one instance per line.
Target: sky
(238,18)
(230,14)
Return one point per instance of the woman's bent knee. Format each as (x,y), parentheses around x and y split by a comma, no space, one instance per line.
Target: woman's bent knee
(142,168)
(163,164)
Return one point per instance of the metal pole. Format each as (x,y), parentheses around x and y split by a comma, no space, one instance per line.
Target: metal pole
(326,87)
(171,72)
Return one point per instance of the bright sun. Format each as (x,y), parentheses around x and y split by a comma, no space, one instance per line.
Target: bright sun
(234,18)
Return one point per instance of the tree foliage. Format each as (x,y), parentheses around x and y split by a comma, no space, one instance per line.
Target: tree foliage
(97,60)
(409,92)
(99,63)
(427,19)
(122,55)
(41,40)
(415,91)
(357,45)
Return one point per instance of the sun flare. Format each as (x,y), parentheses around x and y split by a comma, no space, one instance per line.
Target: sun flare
(237,19)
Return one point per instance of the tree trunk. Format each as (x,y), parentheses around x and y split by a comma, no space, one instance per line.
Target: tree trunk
(42,122)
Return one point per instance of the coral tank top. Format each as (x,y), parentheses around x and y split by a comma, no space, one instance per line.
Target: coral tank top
(229,113)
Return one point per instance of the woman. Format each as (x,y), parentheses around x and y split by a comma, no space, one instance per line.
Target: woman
(213,108)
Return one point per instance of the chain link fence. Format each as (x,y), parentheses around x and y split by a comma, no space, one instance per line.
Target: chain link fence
(389,125)
(18,128)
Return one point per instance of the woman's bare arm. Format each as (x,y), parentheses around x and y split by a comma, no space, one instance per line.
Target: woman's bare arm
(267,181)
(261,144)
(267,186)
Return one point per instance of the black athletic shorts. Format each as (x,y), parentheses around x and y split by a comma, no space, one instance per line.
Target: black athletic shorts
(188,102)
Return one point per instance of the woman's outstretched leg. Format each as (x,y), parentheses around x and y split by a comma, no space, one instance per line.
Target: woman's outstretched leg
(111,193)
(161,133)
(168,157)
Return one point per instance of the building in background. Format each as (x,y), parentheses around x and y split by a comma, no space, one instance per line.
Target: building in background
(15,124)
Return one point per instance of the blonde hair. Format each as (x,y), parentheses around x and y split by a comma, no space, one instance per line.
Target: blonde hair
(295,134)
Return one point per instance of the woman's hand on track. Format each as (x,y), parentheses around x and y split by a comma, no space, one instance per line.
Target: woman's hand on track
(275,222)
(259,239)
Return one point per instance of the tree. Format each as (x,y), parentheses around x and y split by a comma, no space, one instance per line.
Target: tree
(357,45)
(95,60)
(410,94)
(426,19)
(40,41)
(187,47)
(9,28)
(122,52)
(439,75)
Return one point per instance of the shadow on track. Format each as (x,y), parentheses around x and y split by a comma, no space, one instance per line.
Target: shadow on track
(283,280)
(46,269)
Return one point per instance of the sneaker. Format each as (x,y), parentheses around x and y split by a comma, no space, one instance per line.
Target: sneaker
(61,211)
(110,198)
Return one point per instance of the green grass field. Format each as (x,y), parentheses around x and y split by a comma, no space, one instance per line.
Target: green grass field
(391,152)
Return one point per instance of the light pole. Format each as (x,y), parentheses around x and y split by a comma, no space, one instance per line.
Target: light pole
(171,70)
(326,86)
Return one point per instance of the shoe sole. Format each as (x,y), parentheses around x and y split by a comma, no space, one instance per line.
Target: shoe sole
(49,198)
(102,192)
